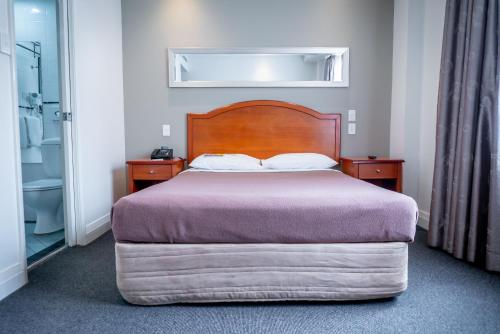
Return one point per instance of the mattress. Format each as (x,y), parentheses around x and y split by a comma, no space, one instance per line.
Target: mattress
(153,274)
(323,206)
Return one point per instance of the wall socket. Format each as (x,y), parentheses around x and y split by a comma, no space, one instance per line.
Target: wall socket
(351,129)
(166,130)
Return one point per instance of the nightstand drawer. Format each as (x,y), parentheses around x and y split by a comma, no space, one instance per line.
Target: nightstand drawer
(151,172)
(378,171)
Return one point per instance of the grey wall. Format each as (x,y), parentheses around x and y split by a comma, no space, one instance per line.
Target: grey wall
(417,60)
(152,26)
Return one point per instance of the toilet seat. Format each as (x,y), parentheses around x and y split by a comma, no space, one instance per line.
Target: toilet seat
(42,184)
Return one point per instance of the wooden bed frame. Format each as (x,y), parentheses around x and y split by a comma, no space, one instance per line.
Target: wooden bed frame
(263,128)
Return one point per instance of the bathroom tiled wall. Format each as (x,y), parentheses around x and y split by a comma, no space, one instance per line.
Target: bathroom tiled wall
(36,21)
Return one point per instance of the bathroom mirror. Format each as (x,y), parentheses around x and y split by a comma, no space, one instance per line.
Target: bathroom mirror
(259,67)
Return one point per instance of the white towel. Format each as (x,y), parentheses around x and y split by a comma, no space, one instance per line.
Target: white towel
(23,132)
(35,130)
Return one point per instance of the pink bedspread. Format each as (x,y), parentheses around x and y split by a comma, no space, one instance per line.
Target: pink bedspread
(257,207)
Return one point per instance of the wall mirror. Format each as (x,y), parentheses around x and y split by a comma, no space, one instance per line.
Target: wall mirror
(258,67)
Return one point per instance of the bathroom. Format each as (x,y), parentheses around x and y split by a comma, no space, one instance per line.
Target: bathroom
(37,65)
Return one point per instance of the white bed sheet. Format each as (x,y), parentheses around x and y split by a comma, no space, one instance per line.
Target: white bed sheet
(256,170)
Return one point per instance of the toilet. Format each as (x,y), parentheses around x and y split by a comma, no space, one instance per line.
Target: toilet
(44,196)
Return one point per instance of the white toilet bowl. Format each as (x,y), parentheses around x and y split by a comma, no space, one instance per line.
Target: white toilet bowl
(45,197)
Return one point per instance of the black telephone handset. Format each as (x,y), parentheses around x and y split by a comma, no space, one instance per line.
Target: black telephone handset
(163,152)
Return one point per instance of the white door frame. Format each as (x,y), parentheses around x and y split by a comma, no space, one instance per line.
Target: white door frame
(67,106)
(17,141)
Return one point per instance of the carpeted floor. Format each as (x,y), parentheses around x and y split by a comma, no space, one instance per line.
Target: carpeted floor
(75,292)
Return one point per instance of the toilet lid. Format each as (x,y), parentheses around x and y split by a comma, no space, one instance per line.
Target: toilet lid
(43,184)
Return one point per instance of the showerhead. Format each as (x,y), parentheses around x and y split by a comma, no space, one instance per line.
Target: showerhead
(35,99)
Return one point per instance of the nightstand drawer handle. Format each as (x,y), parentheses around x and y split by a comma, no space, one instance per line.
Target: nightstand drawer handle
(378,171)
(152,172)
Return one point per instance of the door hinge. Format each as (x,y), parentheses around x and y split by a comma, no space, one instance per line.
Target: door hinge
(67,116)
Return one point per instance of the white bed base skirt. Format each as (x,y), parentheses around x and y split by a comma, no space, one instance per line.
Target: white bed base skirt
(154,274)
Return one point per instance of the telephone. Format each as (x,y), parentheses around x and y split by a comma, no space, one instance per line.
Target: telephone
(163,152)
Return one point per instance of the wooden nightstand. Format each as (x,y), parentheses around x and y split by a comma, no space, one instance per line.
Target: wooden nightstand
(144,173)
(383,172)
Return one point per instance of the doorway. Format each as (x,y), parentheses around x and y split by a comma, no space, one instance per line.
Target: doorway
(42,135)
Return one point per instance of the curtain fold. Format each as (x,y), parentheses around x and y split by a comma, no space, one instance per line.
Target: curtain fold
(465,207)
(329,66)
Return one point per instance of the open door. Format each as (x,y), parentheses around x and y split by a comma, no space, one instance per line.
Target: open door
(66,118)
(97,127)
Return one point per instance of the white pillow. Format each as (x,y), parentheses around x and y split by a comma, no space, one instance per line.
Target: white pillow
(299,161)
(226,161)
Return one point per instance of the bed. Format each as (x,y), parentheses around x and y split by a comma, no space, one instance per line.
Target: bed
(230,236)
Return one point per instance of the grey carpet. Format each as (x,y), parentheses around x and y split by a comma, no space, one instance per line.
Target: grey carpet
(75,292)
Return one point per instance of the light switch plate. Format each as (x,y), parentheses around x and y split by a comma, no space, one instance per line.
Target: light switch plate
(166,130)
(351,116)
(351,129)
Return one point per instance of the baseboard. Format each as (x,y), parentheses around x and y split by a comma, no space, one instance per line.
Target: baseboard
(11,279)
(423,219)
(96,228)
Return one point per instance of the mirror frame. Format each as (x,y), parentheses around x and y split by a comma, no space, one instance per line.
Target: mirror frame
(282,50)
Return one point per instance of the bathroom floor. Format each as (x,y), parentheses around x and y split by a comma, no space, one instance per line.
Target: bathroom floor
(37,246)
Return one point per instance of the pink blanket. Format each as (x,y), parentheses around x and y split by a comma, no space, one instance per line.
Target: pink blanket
(259,207)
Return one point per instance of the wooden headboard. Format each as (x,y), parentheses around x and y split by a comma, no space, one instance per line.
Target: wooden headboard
(263,128)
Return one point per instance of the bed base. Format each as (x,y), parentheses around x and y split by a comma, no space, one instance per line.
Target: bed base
(154,274)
